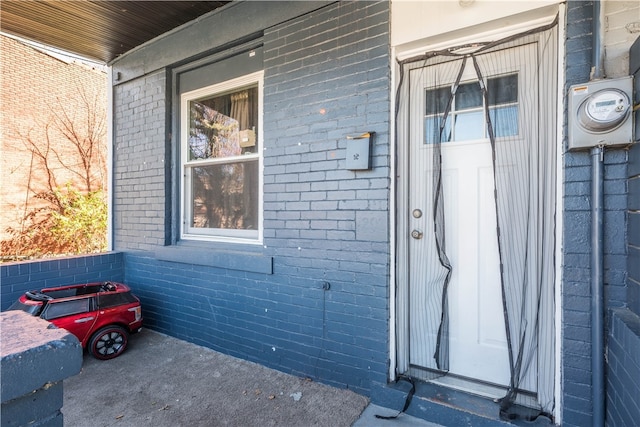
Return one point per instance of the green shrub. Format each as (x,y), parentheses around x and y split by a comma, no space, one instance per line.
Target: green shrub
(80,226)
(74,223)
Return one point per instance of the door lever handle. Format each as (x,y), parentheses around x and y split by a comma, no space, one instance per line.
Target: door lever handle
(84,319)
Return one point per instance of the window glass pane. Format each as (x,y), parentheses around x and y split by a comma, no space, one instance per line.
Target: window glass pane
(437,100)
(225,196)
(469,126)
(432,128)
(224,125)
(468,95)
(504,121)
(66,308)
(112,300)
(502,90)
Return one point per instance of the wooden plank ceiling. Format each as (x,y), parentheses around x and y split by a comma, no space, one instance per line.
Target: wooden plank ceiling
(99,30)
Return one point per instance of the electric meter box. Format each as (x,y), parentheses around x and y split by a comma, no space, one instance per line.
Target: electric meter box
(600,113)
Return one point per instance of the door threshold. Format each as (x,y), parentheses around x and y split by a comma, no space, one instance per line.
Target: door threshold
(466,386)
(446,402)
(473,386)
(486,390)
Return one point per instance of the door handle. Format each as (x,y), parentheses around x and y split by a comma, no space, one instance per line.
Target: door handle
(84,319)
(416,234)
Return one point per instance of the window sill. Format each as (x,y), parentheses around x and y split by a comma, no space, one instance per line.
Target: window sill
(242,261)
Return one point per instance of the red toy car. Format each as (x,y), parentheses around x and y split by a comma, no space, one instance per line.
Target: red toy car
(101,315)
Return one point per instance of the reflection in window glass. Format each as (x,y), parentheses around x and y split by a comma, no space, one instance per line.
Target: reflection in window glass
(112,300)
(468,95)
(224,196)
(224,125)
(437,100)
(502,90)
(66,308)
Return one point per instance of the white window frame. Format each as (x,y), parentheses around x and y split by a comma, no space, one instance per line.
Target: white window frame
(219,234)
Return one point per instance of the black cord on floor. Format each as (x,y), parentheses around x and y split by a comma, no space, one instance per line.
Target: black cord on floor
(407,401)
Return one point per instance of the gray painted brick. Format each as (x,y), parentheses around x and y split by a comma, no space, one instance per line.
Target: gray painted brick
(324,185)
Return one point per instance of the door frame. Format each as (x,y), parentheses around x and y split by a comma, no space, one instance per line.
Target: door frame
(399,184)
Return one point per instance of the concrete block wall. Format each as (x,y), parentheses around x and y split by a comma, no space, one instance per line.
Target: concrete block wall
(36,358)
(576,292)
(18,277)
(322,308)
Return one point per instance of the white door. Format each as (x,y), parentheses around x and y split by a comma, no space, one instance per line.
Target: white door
(472,306)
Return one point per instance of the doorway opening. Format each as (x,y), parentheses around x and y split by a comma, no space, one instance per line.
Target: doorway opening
(476,126)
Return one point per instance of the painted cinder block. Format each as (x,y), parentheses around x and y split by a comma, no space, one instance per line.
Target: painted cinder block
(16,278)
(29,342)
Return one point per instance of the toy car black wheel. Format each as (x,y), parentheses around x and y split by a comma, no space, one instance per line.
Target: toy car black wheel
(108,342)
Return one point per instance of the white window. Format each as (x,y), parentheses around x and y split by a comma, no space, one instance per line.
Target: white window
(467,113)
(221,156)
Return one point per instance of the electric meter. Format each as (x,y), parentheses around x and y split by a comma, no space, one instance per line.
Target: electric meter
(600,113)
(604,111)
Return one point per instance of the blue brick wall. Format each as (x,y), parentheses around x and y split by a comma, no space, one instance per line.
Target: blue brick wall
(576,334)
(623,349)
(623,374)
(615,226)
(633,227)
(327,75)
(576,292)
(18,277)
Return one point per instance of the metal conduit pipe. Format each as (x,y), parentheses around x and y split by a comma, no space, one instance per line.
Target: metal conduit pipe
(597,53)
(597,204)
(597,288)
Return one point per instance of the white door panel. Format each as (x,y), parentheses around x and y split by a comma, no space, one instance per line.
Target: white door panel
(477,337)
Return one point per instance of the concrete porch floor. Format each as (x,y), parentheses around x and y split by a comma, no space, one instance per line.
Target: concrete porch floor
(162,381)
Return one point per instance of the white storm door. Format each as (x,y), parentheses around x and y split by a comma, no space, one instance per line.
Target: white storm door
(477,345)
